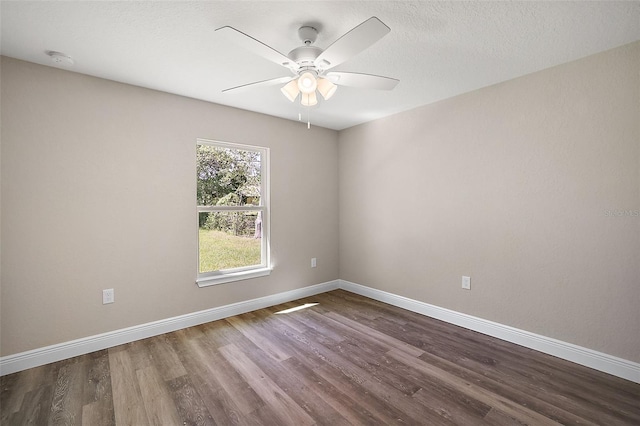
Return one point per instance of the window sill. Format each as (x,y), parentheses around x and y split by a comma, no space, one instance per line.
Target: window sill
(234,276)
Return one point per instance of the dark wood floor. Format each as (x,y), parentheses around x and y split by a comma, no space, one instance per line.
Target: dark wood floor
(346,360)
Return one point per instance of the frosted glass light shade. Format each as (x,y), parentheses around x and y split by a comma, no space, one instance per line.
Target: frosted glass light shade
(309,99)
(290,90)
(307,82)
(326,88)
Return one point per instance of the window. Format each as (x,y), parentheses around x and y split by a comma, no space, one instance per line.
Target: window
(233,212)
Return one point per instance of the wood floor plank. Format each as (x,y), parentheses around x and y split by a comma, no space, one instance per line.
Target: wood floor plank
(226,378)
(336,375)
(254,333)
(190,333)
(127,400)
(473,354)
(35,408)
(343,359)
(300,391)
(97,395)
(473,349)
(66,407)
(219,404)
(434,396)
(263,416)
(156,398)
(392,342)
(16,386)
(333,300)
(221,333)
(94,414)
(342,403)
(165,358)
(315,354)
(379,404)
(375,365)
(496,417)
(11,394)
(412,413)
(487,367)
(189,403)
(550,393)
(491,399)
(453,406)
(139,354)
(513,392)
(98,384)
(299,326)
(363,304)
(288,411)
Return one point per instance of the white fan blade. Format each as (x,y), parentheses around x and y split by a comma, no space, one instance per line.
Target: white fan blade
(257,47)
(271,82)
(352,43)
(362,81)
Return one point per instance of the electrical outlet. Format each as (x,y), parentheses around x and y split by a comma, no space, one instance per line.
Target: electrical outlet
(466,283)
(108,296)
(313,262)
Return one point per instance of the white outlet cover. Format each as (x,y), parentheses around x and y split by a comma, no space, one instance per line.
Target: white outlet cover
(466,283)
(108,296)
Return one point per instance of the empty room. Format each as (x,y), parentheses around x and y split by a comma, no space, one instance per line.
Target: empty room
(319,213)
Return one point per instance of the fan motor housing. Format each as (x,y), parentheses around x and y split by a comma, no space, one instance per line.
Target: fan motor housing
(305,55)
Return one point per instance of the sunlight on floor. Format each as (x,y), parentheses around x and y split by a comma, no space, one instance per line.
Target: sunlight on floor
(297,308)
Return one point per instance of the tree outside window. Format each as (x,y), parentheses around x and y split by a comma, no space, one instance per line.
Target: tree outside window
(232,208)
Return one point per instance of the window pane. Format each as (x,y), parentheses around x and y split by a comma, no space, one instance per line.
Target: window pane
(228,177)
(229,240)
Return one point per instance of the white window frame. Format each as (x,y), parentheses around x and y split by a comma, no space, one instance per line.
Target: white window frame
(228,275)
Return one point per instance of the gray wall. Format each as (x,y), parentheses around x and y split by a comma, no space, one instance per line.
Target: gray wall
(98,191)
(511,185)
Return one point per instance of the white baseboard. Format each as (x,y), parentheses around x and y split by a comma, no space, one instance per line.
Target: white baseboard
(597,360)
(34,358)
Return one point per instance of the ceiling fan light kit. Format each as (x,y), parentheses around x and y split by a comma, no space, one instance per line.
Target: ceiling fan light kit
(307,82)
(290,90)
(309,99)
(310,64)
(326,88)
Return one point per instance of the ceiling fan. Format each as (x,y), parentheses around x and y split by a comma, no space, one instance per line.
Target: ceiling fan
(310,65)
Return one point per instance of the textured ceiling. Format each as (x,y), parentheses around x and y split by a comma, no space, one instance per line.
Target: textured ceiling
(436,49)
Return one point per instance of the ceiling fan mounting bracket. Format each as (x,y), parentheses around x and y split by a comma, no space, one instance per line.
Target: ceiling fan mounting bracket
(308,35)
